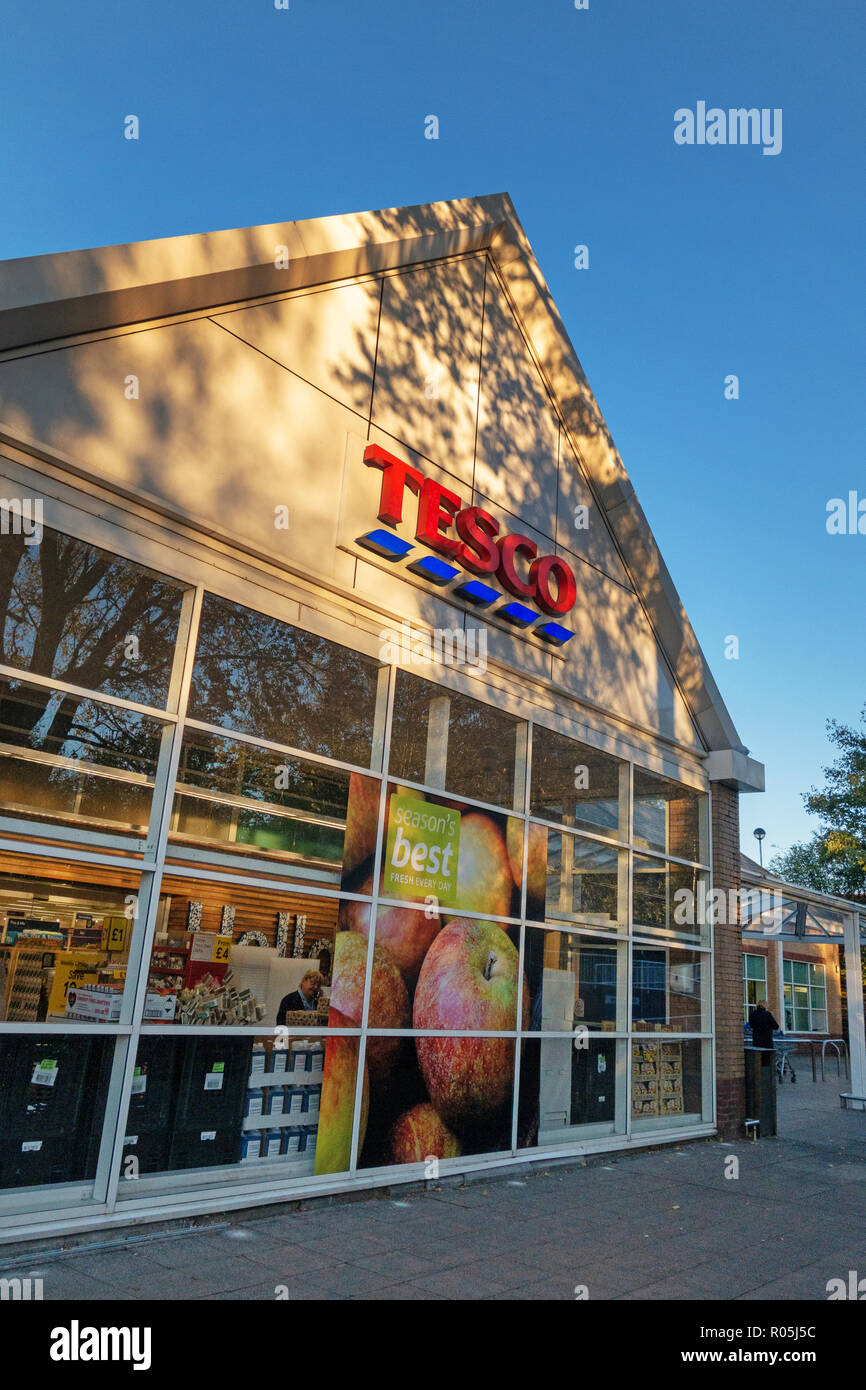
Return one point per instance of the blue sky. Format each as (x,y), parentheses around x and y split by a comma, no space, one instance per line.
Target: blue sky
(704,261)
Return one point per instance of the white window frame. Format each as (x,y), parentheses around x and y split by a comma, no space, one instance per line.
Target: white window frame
(752,955)
(788,992)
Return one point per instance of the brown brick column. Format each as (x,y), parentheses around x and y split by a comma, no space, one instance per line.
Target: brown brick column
(728,968)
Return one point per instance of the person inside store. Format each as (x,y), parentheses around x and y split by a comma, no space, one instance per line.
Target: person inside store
(304,997)
(763,1025)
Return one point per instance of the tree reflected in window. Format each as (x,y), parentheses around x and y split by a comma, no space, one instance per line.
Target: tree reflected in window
(82,615)
(262,677)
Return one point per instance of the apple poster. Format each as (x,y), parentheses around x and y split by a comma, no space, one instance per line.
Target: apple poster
(442,962)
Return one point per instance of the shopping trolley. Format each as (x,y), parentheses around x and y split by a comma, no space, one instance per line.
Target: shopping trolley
(784,1049)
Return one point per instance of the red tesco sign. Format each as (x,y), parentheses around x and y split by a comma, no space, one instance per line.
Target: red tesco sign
(470,536)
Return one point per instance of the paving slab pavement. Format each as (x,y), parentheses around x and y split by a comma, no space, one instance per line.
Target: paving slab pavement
(668,1224)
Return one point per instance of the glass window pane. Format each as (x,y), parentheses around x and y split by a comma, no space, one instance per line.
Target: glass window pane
(766,912)
(226,955)
(442,1098)
(816,973)
(586,882)
(575,981)
(669,991)
(578,785)
(667,900)
(799,972)
(53,1090)
(569,1092)
(824,921)
(667,1084)
(669,817)
(467,747)
(430,972)
(70,610)
(264,678)
(273,1107)
(76,759)
(459,858)
(819,1021)
(801,1020)
(817,998)
(65,941)
(247,798)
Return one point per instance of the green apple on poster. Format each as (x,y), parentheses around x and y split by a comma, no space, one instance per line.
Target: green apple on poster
(422,850)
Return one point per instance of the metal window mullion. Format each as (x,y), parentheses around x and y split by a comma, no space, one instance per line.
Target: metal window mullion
(709,1071)
(81,856)
(371,936)
(248,803)
(270,746)
(86,769)
(161,806)
(630,954)
(526,775)
(606,841)
(97,697)
(20,825)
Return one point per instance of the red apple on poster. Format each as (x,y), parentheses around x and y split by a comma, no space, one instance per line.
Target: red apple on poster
(337,1106)
(484,881)
(469,1080)
(362,818)
(389,999)
(406,933)
(469,980)
(420,1134)
(536,863)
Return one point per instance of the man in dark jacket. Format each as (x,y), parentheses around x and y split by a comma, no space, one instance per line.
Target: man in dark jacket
(763,1025)
(304,997)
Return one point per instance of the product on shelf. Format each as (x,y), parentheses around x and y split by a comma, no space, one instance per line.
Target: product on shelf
(281,1110)
(657,1078)
(94,1003)
(215,1001)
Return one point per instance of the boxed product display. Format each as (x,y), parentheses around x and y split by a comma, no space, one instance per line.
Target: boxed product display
(251,1146)
(657,1078)
(94,1003)
(273,1143)
(274,1100)
(254,1104)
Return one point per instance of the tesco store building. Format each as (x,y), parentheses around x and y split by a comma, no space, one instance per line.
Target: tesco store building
(356,749)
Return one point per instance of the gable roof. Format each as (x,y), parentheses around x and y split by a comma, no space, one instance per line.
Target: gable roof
(48,297)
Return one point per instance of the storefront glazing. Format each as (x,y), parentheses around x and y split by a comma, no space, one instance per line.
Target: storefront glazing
(192,787)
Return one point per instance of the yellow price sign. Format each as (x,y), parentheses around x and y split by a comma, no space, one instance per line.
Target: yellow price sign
(114,933)
(208,946)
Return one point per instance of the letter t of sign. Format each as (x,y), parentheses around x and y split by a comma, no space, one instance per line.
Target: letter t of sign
(396,475)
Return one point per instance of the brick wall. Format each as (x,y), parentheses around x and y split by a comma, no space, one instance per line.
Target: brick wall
(728,969)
